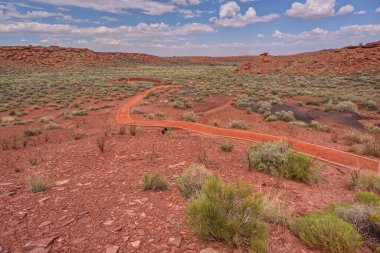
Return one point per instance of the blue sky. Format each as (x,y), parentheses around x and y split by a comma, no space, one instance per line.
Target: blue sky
(191,27)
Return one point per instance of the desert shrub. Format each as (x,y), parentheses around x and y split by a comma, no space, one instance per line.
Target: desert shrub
(189,116)
(270,118)
(353,137)
(239,124)
(328,232)
(274,210)
(367,198)
(263,106)
(101,142)
(364,219)
(318,126)
(227,146)
(244,102)
(122,130)
(277,158)
(346,106)
(369,105)
(285,116)
(248,110)
(132,130)
(372,148)
(52,126)
(38,184)
(190,182)
(373,128)
(181,103)
(228,213)
(79,113)
(46,119)
(8,119)
(154,182)
(316,103)
(299,123)
(137,110)
(363,182)
(32,132)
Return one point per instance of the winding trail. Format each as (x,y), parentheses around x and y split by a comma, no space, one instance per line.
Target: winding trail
(330,155)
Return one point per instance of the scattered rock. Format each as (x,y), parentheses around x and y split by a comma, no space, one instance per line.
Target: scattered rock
(108,222)
(41,201)
(42,243)
(208,250)
(112,249)
(62,182)
(135,244)
(44,224)
(175,241)
(40,250)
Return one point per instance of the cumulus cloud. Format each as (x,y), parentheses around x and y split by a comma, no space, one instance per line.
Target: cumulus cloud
(344,10)
(230,16)
(315,9)
(312,9)
(377,10)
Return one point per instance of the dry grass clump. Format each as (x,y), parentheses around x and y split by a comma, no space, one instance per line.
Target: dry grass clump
(190,181)
(238,124)
(38,184)
(154,182)
(227,146)
(189,116)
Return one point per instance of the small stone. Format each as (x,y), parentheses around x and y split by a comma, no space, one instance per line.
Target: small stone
(41,201)
(143,215)
(175,241)
(39,250)
(44,224)
(62,182)
(43,243)
(135,244)
(112,249)
(108,222)
(208,250)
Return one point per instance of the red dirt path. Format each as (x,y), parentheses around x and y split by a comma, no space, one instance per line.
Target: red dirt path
(330,155)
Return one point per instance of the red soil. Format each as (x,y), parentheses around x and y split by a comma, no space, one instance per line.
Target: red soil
(348,60)
(330,155)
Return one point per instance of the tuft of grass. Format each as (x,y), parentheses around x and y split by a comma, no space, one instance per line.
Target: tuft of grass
(228,213)
(353,137)
(190,182)
(122,130)
(101,143)
(318,126)
(367,198)
(278,159)
(275,211)
(372,148)
(46,119)
(132,130)
(189,116)
(52,126)
(137,110)
(238,124)
(364,182)
(227,146)
(38,184)
(154,182)
(327,232)
(346,106)
(32,132)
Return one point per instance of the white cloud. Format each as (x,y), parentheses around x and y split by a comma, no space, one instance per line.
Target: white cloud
(312,9)
(360,12)
(230,9)
(146,6)
(186,2)
(230,16)
(259,35)
(377,10)
(344,10)
(344,33)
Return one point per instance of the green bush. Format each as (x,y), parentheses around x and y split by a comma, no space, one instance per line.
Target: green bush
(277,158)
(366,220)
(285,116)
(154,182)
(190,182)
(32,132)
(227,146)
(367,198)
(229,213)
(328,232)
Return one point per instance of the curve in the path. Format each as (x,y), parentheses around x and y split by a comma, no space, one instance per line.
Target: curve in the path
(334,156)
